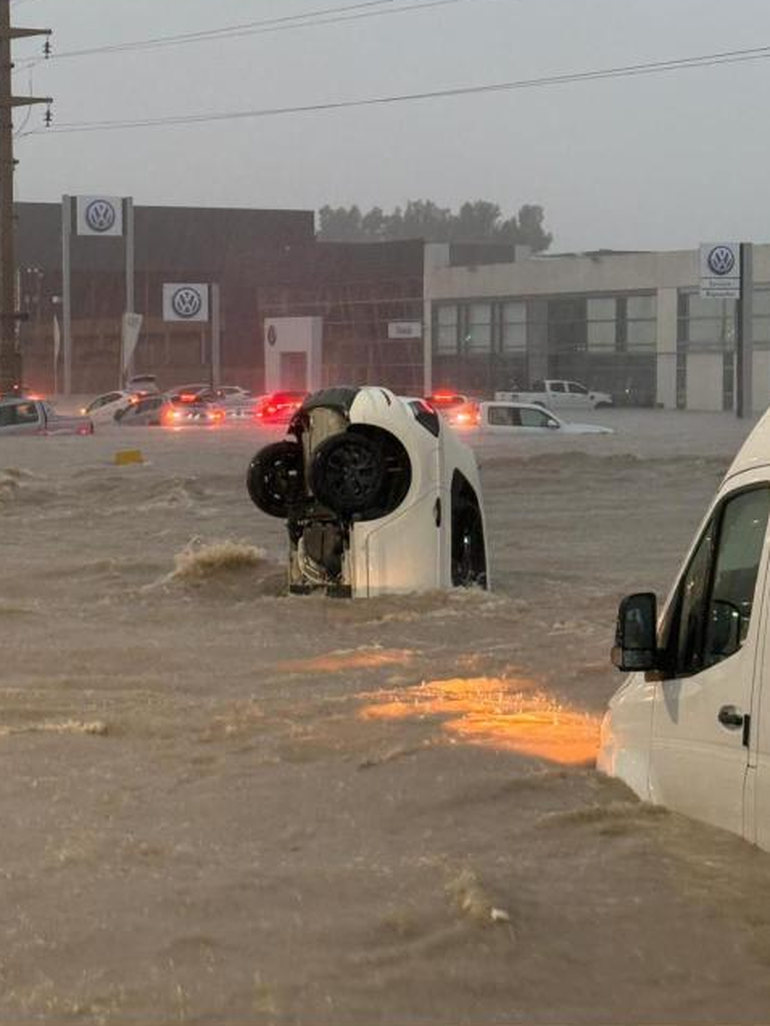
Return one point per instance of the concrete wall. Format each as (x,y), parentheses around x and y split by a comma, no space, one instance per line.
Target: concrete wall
(293,335)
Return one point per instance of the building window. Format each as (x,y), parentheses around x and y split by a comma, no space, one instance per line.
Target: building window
(446,329)
(641,323)
(479,337)
(707,324)
(762,318)
(601,315)
(514,333)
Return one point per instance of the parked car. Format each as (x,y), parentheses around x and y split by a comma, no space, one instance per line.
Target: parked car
(457,409)
(278,407)
(557,393)
(142,383)
(379,496)
(37,417)
(689,727)
(499,418)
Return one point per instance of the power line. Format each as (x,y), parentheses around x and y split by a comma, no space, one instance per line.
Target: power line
(324,16)
(623,71)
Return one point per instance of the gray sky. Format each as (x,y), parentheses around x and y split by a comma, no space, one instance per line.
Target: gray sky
(647,162)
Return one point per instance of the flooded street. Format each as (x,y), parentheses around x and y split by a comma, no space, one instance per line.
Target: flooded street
(221,804)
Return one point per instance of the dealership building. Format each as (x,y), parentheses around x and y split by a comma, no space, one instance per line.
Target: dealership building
(412,316)
(632,324)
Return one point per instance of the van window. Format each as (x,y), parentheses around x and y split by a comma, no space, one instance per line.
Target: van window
(713,609)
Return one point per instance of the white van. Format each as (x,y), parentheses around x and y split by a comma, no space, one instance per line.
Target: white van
(379,496)
(690,728)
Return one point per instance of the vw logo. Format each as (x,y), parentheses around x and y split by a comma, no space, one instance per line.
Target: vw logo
(721,260)
(100,216)
(187,303)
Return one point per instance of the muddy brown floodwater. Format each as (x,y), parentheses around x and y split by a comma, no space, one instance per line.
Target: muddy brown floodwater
(221,805)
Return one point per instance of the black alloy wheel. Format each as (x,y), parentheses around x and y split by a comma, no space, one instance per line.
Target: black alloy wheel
(275,478)
(348,473)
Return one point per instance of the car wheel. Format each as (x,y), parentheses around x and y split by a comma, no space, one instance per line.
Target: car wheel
(348,474)
(275,478)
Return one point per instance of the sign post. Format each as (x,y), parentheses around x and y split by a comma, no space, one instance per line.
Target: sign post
(107,216)
(66,235)
(727,272)
(744,341)
(196,303)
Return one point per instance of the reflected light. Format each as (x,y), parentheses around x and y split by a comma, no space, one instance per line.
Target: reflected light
(501,713)
(356,659)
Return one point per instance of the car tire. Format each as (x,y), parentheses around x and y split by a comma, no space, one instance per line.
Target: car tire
(468,561)
(275,479)
(348,473)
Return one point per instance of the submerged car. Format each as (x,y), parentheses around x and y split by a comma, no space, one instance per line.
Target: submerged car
(36,417)
(278,407)
(458,409)
(501,418)
(105,409)
(379,496)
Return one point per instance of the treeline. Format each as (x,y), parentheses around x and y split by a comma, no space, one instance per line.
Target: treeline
(479,221)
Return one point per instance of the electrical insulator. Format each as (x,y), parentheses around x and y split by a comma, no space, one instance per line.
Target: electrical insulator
(48,116)
(47,49)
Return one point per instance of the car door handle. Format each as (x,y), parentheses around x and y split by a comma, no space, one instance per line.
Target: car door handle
(730,717)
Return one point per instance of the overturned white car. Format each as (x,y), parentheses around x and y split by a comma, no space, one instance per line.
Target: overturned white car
(379,495)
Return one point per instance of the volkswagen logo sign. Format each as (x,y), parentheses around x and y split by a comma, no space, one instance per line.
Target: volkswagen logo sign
(721,260)
(101,216)
(187,303)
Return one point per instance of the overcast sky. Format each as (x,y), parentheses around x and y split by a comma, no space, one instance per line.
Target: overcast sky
(649,162)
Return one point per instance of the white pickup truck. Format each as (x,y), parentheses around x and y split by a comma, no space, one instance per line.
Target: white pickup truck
(557,393)
(36,417)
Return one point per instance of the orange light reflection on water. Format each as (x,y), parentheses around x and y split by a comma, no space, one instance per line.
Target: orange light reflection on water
(507,714)
(357,659)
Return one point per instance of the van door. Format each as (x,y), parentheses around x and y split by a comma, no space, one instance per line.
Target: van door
(758,789)
(702,717)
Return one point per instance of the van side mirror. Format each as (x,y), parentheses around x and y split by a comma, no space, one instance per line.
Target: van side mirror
(636,634)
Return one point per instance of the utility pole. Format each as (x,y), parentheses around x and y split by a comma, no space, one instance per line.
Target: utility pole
(10,357)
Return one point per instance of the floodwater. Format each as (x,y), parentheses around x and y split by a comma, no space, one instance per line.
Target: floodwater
(223,805)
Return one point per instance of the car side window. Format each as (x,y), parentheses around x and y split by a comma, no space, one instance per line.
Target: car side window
(713,608)
(502,416)
(577,389)
(557,386)
(26,413)
(534,418)
(7,416)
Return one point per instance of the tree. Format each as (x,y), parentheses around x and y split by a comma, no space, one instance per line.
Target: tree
(478,221)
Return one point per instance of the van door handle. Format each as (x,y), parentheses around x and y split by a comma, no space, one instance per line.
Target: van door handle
(730,717)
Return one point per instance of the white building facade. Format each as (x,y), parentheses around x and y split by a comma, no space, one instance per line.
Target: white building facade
(632,324)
